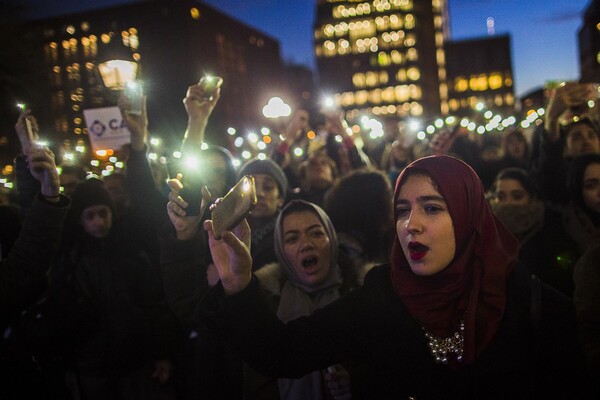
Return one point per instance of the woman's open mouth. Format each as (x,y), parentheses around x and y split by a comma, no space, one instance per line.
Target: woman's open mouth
(310,264)
(417,251)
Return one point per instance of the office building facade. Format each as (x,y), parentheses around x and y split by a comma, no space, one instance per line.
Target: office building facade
(175,44)
(383,57)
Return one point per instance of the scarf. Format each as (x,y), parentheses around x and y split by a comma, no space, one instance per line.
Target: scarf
(473,286)
(523,221)
(299,299)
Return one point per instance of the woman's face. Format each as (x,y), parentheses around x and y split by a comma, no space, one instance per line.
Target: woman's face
(306,246)
(582,139)
(318,171)
(591,187)
(96,220)
(424,226)
(268,198)
(511,192)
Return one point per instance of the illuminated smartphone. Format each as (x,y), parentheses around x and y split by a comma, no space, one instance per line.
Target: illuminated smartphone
(134,91)
(28,124)
(234,207)
(209,84)
(192,189)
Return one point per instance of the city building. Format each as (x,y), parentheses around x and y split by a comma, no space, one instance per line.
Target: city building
(383,57)
(175,44)
(480,75)
(589,43)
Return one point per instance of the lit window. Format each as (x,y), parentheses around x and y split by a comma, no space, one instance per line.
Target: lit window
(70,29)
(439,39)
(359,80)
(413,74)
(416,109)
(443,91)
(411,54)
(401,93)
(376,96)
(387,95)
(85,26)
(105,38)
(454,104)
(409,21)
(383,77)
(440,57)
(371,78)
(495,81)
(461,85)
(437,22)
(498,101)
(509,99)
(401,75)
(396,57)
(415,91)
(195,13)
(383,59)
(361,97)
(508,81)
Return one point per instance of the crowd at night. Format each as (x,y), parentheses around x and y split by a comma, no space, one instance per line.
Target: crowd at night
(408,228)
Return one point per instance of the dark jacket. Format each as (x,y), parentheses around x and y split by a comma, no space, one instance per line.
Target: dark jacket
(372,327)
(23,273)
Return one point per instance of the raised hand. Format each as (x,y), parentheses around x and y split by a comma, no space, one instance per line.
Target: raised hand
(185,226)
(137,124)
(26,136)
(43,168)
(231,256)
(198,109)
(298,124)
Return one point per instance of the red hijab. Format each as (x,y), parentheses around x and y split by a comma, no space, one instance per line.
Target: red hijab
(473,285)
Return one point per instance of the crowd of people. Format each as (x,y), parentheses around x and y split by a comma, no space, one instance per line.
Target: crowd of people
(435,269)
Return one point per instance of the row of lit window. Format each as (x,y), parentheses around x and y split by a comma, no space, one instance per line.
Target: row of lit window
(89,45)
(368,7)
(482,82)
(471,102)
(70,29)
(330,48)
(378,78)
(367,27)
(396,57)
(73,73)
(414,109)
(390,94)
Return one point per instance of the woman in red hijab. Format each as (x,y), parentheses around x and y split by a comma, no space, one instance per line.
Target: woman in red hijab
(453,316)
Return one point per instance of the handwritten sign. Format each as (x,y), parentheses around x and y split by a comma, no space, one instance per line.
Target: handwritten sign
(106,128)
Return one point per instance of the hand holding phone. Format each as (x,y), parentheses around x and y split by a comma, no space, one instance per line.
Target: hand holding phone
(229,211)
(209,85)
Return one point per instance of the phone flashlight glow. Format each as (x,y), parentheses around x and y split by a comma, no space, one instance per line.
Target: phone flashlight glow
(21,106)
(246,186)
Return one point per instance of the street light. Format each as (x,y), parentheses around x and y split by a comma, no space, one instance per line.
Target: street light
(116,65)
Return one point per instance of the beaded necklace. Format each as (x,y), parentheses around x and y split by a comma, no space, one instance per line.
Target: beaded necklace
(442,348)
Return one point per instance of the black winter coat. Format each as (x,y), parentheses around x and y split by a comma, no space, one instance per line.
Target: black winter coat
(372,327)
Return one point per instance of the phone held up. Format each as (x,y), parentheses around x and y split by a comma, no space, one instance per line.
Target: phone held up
(134,91)
(192,188)
(229,211)
(209,85)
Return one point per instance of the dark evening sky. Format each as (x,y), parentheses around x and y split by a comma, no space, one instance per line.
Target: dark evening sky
(543,32)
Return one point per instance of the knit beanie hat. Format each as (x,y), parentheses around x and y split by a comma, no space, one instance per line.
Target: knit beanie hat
(89,193)
(269,167)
